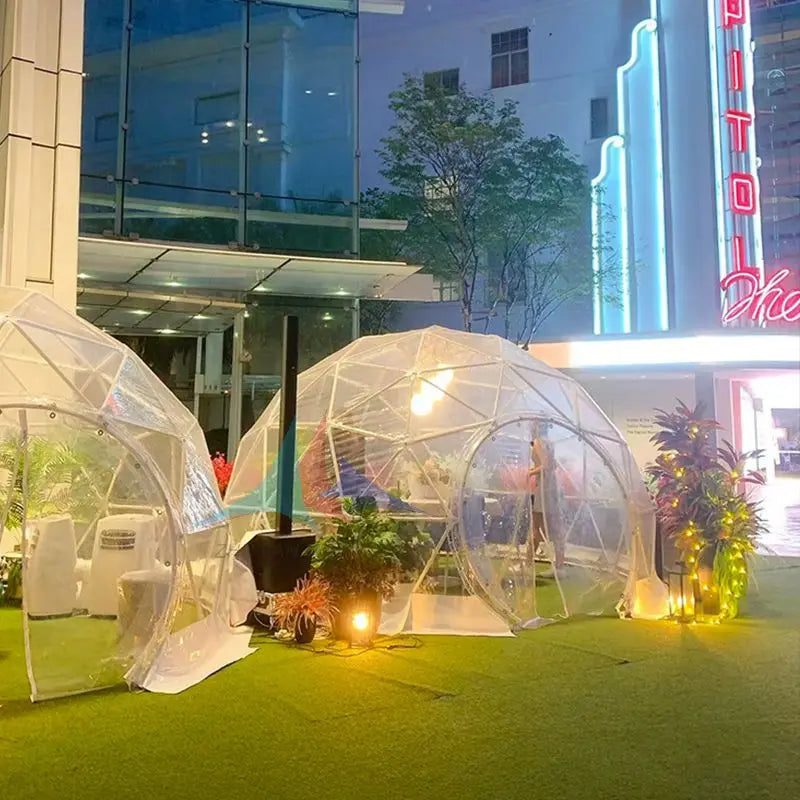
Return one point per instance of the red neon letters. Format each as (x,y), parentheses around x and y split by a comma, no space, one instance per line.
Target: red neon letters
(733,12)
(768,302)
(743,193)
(739,121)
(736,71)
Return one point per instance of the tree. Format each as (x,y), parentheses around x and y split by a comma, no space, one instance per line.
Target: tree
(487,204)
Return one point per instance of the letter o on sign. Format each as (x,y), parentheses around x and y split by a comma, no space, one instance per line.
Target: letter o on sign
(743,193)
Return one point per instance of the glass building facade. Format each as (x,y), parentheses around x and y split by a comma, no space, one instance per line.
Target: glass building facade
(222,121)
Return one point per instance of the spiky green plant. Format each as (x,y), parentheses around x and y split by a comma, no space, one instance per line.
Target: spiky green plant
(701,501)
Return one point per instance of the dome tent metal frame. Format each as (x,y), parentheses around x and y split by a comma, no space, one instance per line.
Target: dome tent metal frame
(66,385)
(391,408)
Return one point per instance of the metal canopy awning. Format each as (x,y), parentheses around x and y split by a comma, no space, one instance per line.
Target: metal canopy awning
(220,272)
(143,313)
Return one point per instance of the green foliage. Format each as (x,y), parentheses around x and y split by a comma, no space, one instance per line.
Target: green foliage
(10,579)
(701,502)
(363,554)
(61,479)
(417,548)
(483,201)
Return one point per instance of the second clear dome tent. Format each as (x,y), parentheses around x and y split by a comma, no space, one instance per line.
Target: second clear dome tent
(441,427)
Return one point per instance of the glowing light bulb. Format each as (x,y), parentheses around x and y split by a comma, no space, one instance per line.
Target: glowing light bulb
(360,621)
(421,404)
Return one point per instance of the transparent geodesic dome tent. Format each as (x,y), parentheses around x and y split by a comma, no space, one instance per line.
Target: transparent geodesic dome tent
(108,500)
(531,496)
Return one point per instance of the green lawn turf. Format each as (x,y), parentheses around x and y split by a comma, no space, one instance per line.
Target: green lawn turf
(590,708)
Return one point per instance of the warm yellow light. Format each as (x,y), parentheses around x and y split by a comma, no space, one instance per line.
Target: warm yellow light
(434,385)
(421,404)
(360,621)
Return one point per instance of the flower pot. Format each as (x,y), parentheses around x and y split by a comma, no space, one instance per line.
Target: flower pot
(305,629)
(367,603)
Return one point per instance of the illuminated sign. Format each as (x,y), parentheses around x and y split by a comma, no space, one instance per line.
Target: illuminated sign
(747,294)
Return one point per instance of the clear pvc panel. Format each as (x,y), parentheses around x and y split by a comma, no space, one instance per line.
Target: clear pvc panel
(96,550)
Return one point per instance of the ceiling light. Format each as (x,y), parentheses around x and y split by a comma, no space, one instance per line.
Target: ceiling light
(204,141)
(327,316)
(229,123)
(201,316)
(247,315)
(261,288)
(332,94)
(140,312)
(172,283)
(308,91)
(204,133)
(83,276)
(166,331)
(263,139)
(260,131)
(341,292)
(249,124)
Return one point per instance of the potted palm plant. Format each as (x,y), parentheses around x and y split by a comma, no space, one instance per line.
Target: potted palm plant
(304,609)
(361,559)
(703,508)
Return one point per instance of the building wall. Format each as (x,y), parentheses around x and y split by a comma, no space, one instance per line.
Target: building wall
(776,27)
(221,126)
(574,46)
(40,100)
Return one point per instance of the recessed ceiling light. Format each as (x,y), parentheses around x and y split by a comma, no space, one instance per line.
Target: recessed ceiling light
(201,316)
(166,331)
(172,283)
(261,288)
(260,131)
(204,133)
(263,139)
(83,276)
(229,123)
(332,94)
(140,312)
(204,141)
(246,314)
(341,292)
(327,317)
(308,91)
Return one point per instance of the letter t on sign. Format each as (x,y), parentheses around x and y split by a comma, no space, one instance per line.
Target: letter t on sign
(739,121)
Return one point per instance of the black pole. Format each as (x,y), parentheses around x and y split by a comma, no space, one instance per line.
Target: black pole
(286,449)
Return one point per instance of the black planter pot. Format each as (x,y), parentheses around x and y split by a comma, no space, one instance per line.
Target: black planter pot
(304,630)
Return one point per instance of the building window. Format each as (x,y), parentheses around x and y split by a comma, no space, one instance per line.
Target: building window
(436,189)
(509,58)
(445,79)
(106,127)
(216,108)
(598,114)
(446,291)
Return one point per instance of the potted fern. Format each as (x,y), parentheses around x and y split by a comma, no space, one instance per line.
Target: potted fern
(306,608)
(703,508)
(361,559)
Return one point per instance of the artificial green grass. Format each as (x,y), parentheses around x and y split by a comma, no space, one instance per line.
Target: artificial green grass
(589,708)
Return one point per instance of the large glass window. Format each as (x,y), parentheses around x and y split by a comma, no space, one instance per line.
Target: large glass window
(245,119)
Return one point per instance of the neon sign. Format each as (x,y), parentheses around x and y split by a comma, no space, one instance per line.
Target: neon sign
(747,294)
